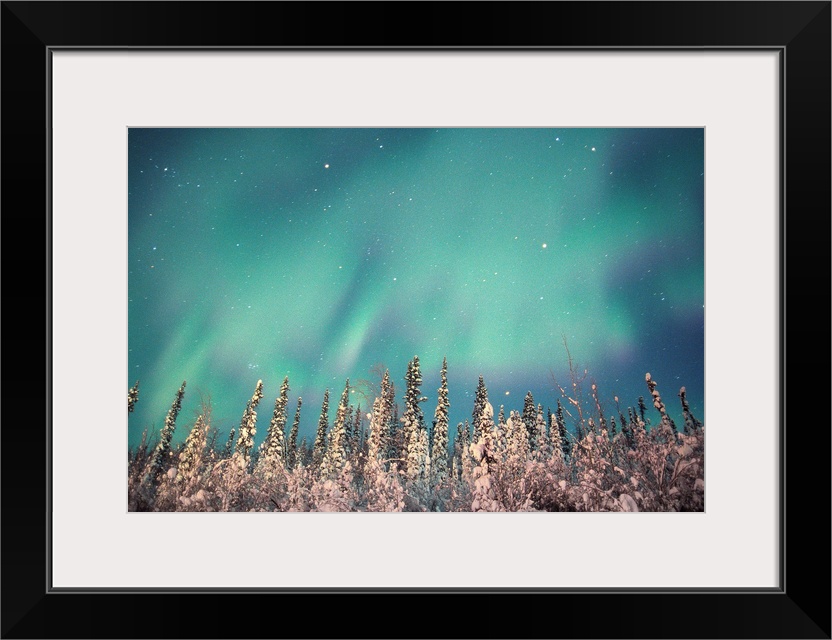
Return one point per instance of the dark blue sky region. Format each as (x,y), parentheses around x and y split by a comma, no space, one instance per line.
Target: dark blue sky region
(317,253)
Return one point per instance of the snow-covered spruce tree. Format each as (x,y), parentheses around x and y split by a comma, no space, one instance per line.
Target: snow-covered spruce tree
(642,409)
(565,445)
(484,453)
(138,463)
(632,424)
(160,460)
(273,450)
(542,450)
(554,437)
(413,422)
(335,455)
(348,420)
(621,418)
(304,458)
(424,456)
(383,489)
(396,445)
(692,425)
(666,422)
(229,485)
(462,454)
(517,441)
(510,485)
(406,424)
(530,420)
(665,467)
(248,429)
(292,451)
(379,422)
(195,462)
(484,427)
(545,483)
(689,468)
(190,458)
(355,434)
(500,433)
(439,453)
(319,448)
(479,404)
(132,397)
(229,444)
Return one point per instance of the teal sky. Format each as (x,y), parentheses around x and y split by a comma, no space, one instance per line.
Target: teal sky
(316,253)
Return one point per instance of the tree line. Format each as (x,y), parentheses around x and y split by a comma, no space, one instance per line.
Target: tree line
(576,457)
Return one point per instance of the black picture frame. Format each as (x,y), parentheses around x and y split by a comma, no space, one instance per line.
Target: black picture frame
(799,608)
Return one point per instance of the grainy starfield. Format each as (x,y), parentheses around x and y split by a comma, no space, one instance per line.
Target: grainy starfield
(317,253)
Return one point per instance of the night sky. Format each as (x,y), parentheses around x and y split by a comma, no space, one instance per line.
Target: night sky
(317,253)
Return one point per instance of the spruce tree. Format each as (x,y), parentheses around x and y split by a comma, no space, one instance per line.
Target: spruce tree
(395,449)
(273,450)
(229,444)
(666,421)
(357,431)
(190,459)
(380,422)
(304,454)
(530,420)
(424,455)
(485,454)
(132,397)
(480,398)
(501,431)
(564,439)
(692,425)
(554,436)
(517,442)
(348,421)
(319,448)
(413,422)
(439,452)
(292,452)
(462,455)
(336,456)
(407,425)
(542,443)
(484,423)
(248,428)
(623,422)
(161,456)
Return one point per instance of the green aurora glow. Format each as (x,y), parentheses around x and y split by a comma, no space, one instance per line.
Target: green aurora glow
(316,253)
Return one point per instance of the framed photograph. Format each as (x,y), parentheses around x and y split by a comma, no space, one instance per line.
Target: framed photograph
(176,153)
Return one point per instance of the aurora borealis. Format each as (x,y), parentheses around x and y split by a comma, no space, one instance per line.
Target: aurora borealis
(317,253)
